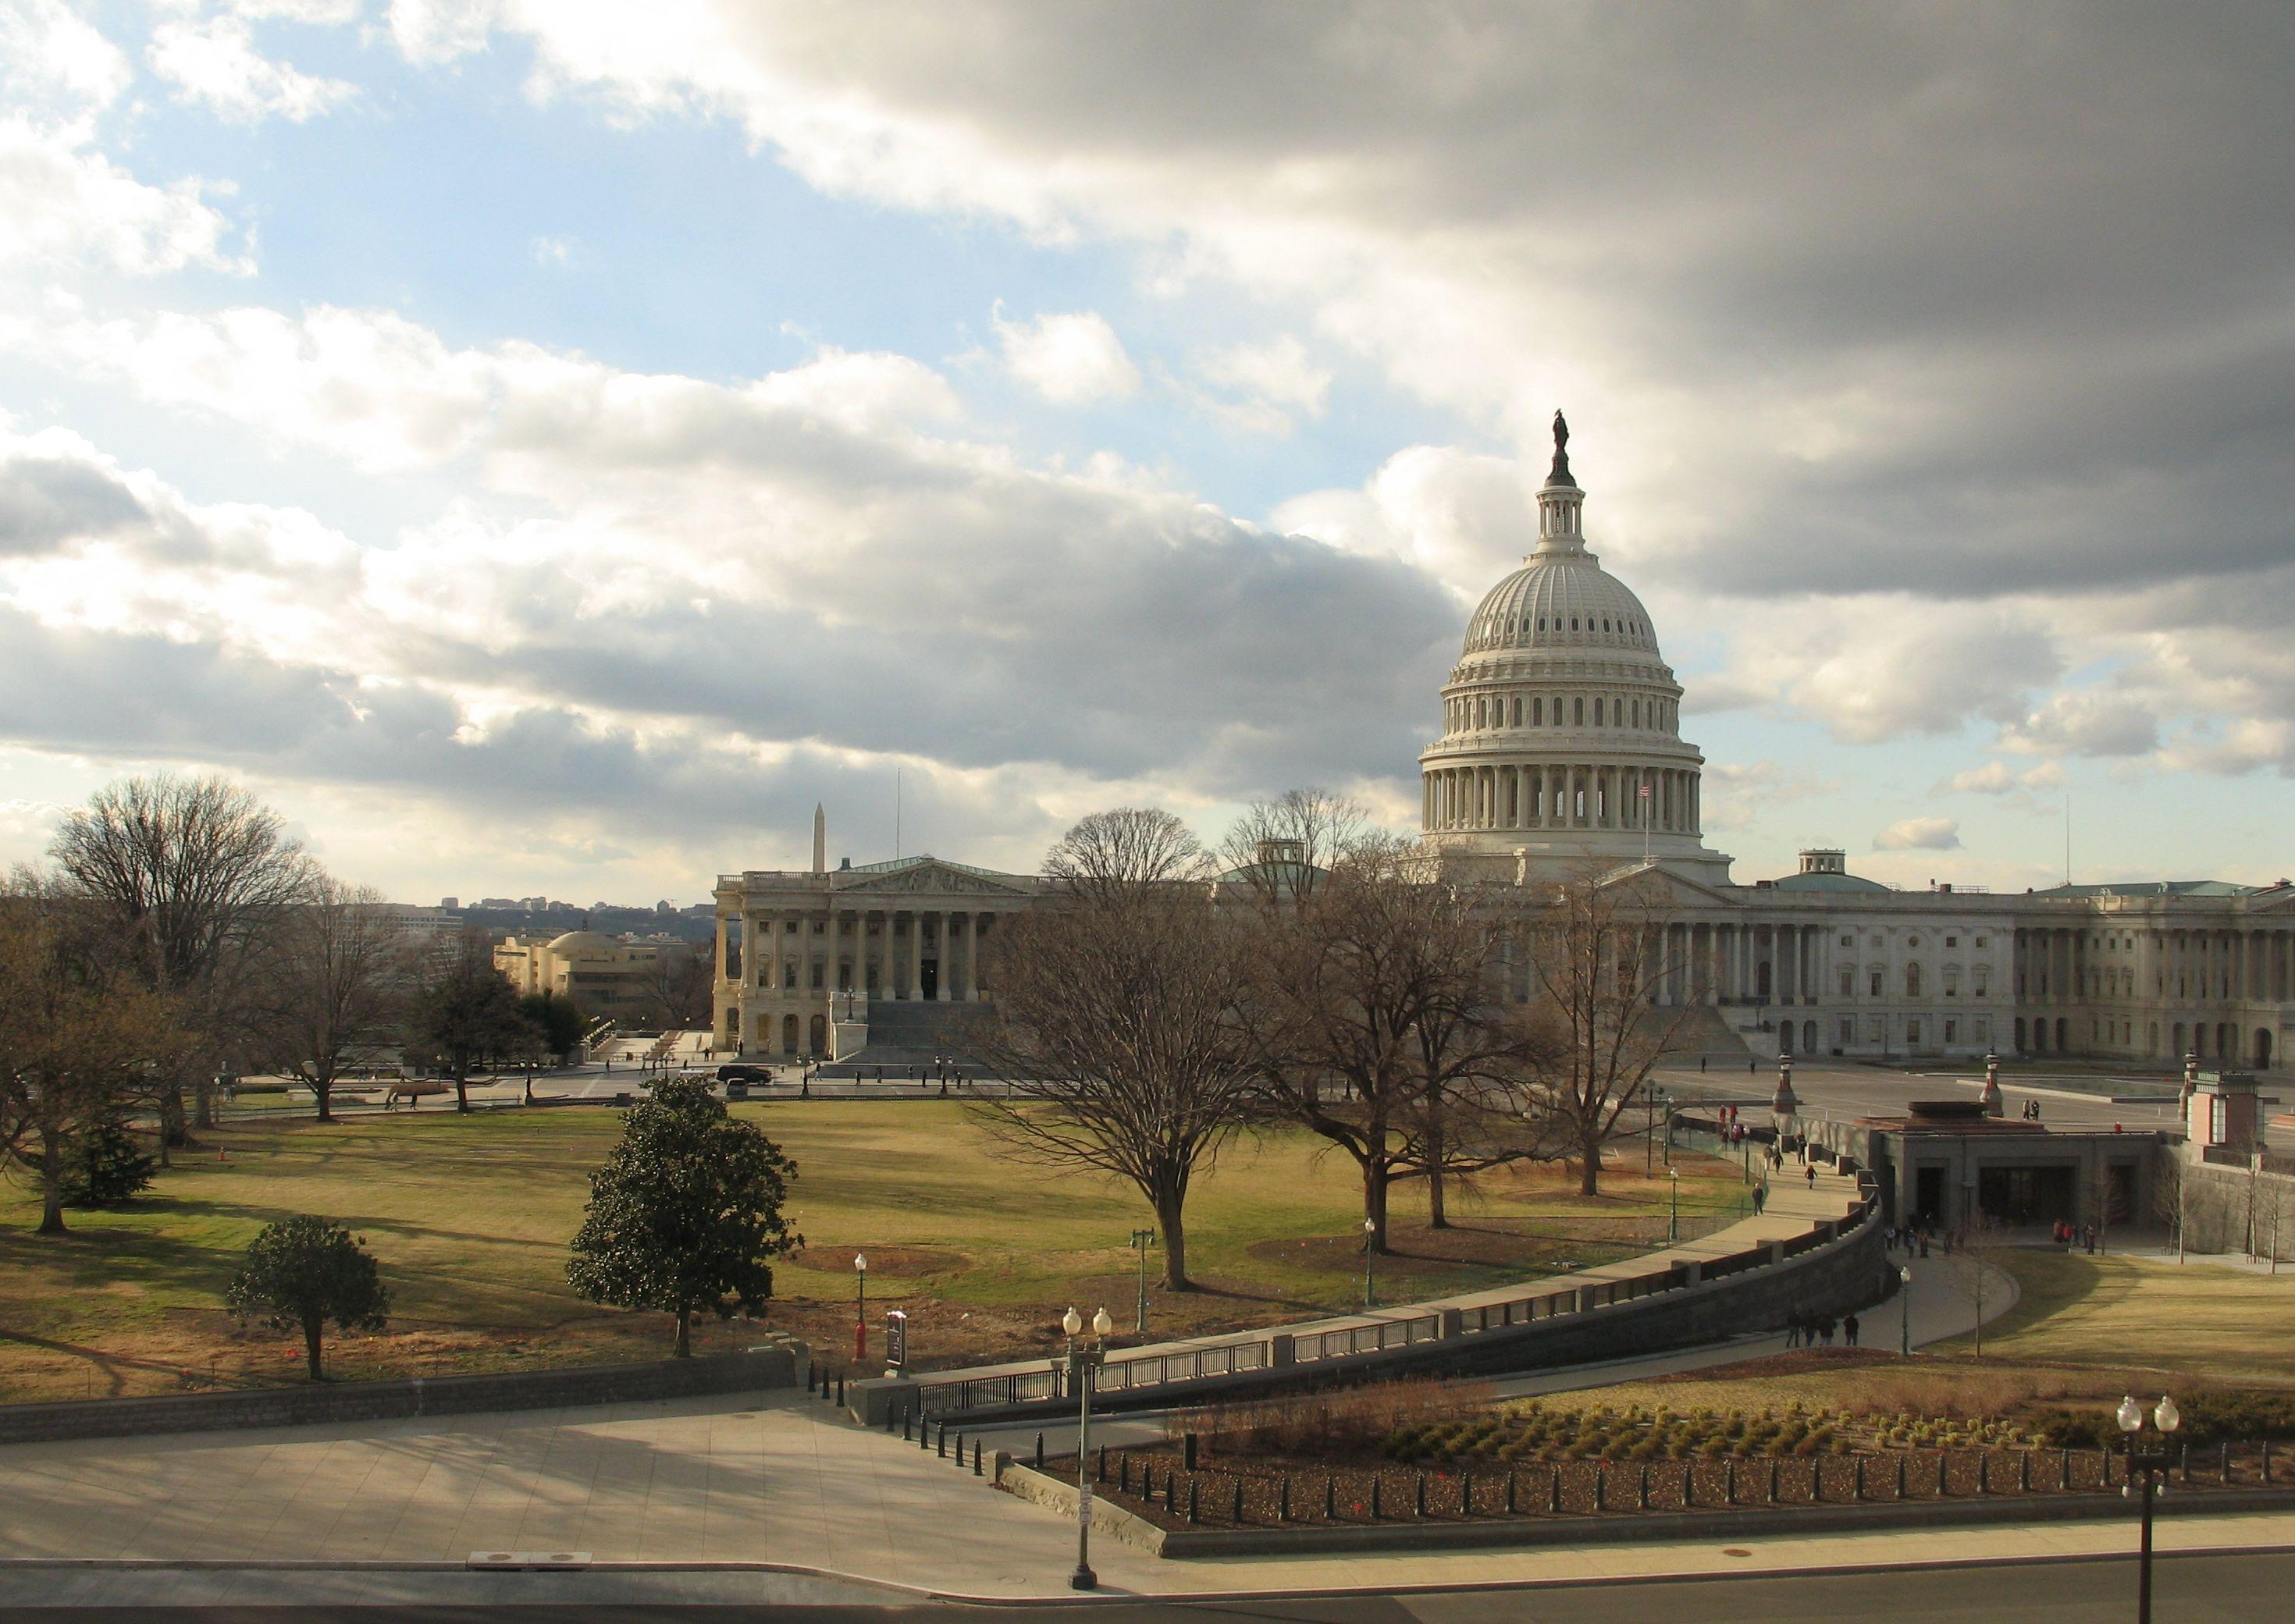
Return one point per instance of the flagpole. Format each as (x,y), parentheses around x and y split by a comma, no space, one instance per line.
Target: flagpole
(1646,809)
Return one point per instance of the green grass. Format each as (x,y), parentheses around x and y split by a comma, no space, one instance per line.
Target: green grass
(470,1217)
(2211,1322)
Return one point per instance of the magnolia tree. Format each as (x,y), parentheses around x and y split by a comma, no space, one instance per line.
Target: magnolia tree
(686,1212)
(302,1272)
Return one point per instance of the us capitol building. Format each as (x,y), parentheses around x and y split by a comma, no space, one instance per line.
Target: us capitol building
(1561,753)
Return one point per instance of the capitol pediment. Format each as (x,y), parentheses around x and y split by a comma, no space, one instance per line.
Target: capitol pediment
(923,875)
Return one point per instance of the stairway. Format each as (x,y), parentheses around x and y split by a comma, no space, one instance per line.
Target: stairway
(904,1033)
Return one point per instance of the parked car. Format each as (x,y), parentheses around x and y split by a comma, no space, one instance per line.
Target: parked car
(744,1073)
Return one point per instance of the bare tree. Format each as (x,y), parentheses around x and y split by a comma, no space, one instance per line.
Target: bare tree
(1364,1007)
(194,872)
(1597,964)
(1111,1022)
(465,1012)
(340,972)
(681,990)
(1283,847)
(78,1032)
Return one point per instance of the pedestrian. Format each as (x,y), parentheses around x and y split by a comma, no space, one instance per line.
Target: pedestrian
(1700,1063)
(1848,1330)
(1812,1178)
(1825,1329)
(1924,1243)
(1761,1195)
(1792,1333)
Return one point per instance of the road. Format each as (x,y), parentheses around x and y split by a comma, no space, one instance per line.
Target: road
(1840,1092)
(2188,1590)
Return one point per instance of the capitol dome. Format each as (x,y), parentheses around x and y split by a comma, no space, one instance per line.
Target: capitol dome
(1561,741)
(1559,600)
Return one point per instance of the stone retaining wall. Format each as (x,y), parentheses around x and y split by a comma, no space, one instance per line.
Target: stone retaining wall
(1844,1275)
(772,1366)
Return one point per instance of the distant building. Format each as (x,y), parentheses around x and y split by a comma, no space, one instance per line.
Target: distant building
(619,976)
(450,903)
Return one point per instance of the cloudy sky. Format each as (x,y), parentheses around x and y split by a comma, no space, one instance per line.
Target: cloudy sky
(545,445)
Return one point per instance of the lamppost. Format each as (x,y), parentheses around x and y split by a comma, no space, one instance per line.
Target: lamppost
(860,1309)
(1673,1218)
(1370,1235)
(1905,1305)
(2151,1463)
(1083,1359)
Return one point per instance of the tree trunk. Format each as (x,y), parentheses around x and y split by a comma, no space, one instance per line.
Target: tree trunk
(462,1093)
(311,1328)
(173,1135)
(1437,1210)
(323,1091)
(203,1093)
(683,1347)
(1171,1213)
(51,1182)
(1376,1182)
(1589,1164)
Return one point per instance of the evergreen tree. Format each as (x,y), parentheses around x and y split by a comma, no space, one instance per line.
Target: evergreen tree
(303,1271)
(105,1165)
(685,1213)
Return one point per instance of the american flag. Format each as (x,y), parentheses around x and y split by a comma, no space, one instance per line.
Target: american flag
(1643,792)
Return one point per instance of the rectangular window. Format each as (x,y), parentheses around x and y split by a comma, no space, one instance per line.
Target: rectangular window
(1849,942)
(1952,1032)
(1952,984)
(1983,980)
(1952,941)
(1984,1030)
(1849,984)
(789,977)
(817,973)
(1912,1034)
(1873,1030)
(1848,1032)
(1876,983)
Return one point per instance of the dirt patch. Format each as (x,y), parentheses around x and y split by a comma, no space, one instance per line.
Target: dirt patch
(1485,1243)
(886,1262)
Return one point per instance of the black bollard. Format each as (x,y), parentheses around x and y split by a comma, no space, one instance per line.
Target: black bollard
(959,1445)
(1374,1499)
(1283,1498)
(1641,1487)
(1188,1450)
(1237,1518)
(904,1426)
(1509,1491)
(975,1457)
(1170,1492)
(1040,1451)
(1192,1487)
(1330,1499)
(2023,1472)
(1861,1479)
(1554,1490)
(1729,1482)
(1465,1494)
(840,1389)
(1688,1485)
(1099,1472)
(1421,1507)
(1123,1473)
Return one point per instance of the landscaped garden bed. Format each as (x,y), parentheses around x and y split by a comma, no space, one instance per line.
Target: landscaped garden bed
(1411,1456)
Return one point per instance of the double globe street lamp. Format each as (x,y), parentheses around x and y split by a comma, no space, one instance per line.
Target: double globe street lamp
(2150,1463)
(1083,1359)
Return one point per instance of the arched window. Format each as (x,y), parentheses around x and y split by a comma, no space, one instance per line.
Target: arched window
(1912,981)
(1517,711)
(1582,712)
(1538,711)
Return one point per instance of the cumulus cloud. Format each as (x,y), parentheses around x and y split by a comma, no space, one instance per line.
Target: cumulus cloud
(1070,359)
(1260,387)
(212,61)
(1919,835)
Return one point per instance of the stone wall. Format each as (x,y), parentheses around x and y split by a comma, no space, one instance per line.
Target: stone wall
(777,1365)
(1845,1274)
(2222,1208)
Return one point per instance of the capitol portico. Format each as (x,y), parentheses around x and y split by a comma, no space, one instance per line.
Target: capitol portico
(1559,753)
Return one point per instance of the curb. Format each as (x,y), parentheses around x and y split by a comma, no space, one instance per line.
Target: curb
(1135,1598)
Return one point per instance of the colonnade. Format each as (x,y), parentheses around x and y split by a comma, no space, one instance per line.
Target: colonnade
(2235,964)
(1771,962)
(881,953)
(1590,795)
